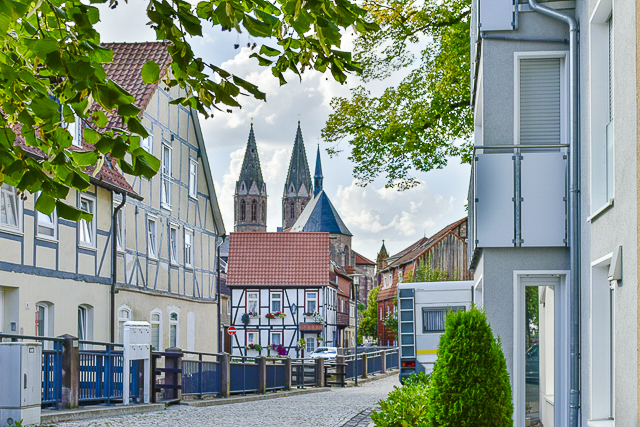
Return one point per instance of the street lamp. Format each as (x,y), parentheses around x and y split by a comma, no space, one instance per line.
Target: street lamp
(356,282)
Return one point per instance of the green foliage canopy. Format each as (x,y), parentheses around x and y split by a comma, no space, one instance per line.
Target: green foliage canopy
(368,323)
(470,384)
(52,73)
(426,118)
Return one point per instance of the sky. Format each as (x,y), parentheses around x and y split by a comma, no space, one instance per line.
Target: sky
(372,213)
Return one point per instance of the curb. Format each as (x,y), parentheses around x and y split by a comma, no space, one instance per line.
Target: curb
(374,377)
(252,398)
(94,412)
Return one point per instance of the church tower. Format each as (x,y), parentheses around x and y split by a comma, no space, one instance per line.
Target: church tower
(250,201)
(298,187)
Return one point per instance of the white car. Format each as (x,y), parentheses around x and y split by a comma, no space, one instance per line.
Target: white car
(325,353)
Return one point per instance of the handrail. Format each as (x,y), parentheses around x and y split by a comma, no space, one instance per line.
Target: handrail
(31,337)
(500,147)
(201,353)
(105,344)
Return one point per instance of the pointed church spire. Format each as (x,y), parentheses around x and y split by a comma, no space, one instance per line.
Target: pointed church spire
(250,199)
(317,179)
(251,171)
(298,175)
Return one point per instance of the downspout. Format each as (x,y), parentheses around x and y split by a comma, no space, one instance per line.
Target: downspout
(220,326)
(114,268)
(574,209)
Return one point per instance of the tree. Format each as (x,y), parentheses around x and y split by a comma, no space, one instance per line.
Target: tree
(52,74)
(368,323)
(470,384)
(426,118)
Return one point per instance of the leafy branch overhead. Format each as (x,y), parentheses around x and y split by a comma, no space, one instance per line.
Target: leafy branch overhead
(425,119)
(52,74)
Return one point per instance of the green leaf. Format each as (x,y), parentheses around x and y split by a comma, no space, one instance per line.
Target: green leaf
(269,51)
(136,127)
(71,213)
(85,158)
(80,69)
(250,87)
(128,110)
(90,136)
(262,61)
(150,72)
(45,203)
(256,28)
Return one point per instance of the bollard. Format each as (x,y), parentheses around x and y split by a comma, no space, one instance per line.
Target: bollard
(225,375)
(287,373)
(262,374)
(173,373)
(320,380)
(70,371)
(365,368)
(383,355)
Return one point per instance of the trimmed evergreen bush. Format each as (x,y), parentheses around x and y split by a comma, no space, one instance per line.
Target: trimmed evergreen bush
(470,384)
(406,406)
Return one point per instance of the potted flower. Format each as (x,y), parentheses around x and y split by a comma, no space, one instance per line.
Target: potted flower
(245,319)
(256,347)
(276,315)
(253,314)
(317,317)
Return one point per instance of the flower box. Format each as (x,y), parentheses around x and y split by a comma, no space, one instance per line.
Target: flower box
(276,315)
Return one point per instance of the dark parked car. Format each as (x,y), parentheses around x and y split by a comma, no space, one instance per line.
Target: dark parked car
(532,369)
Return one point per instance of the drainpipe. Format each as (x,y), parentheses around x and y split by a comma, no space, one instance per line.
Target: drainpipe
(574,209)
(114,268)
(220,326)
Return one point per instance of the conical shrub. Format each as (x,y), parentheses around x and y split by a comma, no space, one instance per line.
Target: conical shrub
(470,384)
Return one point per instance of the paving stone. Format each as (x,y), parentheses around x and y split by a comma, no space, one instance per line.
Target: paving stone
(349,406)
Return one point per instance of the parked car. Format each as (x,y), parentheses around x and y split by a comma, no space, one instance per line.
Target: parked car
(327,353)
(532,373)
(368,347)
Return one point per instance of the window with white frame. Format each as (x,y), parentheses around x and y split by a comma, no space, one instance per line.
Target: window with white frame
(165,178)
(253,337)
(276,338)
(10,208)
(46,225)
(152,237)
(381,311)
(147,143)
(75,129)
(311,344)
(253,299)
(311,302)
(174,331)
(188,248)
(87,229)
(276,301)
(156,330)
(124,315)
(120,229)
(85,322)
(193,178)
(173,243)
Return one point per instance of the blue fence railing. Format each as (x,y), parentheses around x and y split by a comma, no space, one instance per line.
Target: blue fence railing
(275,372)
(102,374)
(244,373)
(303,373)
(201,376)
(392,359)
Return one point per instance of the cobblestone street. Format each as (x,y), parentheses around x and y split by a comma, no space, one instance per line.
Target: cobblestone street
(338,407)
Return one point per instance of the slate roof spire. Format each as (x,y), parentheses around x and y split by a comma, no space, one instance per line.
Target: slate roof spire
(317,179)
(251,171)
(299,173)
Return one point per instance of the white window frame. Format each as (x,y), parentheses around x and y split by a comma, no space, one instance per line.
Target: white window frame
(564,90)
(124,315)
(158,324)
(311,344)
(152,237)
(121,242)
(256,300)
(255,334)
(90,226)
(307,300)
(53,226)
(147,143)
(278,333)
(193,178)
(75,129)
(174,324)
(188,247)
(8,191)
(87,323)
(165,176)
(174,243)
(272,300)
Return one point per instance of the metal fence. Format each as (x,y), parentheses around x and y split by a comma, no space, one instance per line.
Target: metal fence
(102,374)
(374,362)
(303,373)
(201,376)
(393,359)
(244,374)
(276,372)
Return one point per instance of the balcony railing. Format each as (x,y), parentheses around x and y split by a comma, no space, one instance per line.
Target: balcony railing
(517,197)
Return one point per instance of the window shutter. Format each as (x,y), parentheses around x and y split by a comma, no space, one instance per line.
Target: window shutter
(540,121)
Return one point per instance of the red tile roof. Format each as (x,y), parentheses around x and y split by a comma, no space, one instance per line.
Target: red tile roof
(362,260)
(277,259)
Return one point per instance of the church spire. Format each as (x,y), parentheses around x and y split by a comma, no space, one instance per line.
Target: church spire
(317,179)
(250,201)
(298,187)
(251,171)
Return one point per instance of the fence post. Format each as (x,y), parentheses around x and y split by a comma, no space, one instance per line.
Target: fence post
(154,377)
(341,369)
(287,373)
(320,372)
(383,365)
(173,377)
(70,371)
(365,368)
(262,374)
(225,375)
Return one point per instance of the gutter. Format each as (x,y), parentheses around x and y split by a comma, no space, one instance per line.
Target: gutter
(114,266)
(574,209)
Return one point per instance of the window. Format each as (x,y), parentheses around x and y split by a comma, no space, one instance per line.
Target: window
(120,230)
(384,279)
(173,243)
(188,248)
(165,179)
(302,207)
(243,210)
(433,319)
(156,330)
(124,315)
(252,302)
(275,338)
(42,319)
(264,212)
(276,301)
(347,257)
(173,330)
(193,178)
(152,233)
(253,338)
(46,225)
(10,208)
(254,211)
(87,230)
(311,344)
(312,302)
(75,129)
(85,322)
(147,143)
(380,313)
(293,211)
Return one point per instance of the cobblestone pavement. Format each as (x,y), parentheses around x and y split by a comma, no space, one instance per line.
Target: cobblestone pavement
(336,408)
(363,419)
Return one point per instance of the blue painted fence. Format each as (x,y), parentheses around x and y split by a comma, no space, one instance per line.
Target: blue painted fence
(201,376)
(244,374)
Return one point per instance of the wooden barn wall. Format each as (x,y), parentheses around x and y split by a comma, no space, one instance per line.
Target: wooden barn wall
(450,254)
